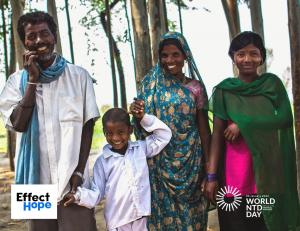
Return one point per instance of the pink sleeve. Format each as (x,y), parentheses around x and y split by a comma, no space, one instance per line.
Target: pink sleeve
(200,96)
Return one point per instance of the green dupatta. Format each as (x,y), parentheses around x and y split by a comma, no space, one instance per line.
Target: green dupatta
(262,111)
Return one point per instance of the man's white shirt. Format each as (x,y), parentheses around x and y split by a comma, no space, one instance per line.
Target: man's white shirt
(63,106)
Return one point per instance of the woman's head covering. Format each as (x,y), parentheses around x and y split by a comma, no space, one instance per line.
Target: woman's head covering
(244,39)
(184,47)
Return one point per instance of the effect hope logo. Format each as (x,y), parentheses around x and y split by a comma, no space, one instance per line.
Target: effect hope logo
(33,201)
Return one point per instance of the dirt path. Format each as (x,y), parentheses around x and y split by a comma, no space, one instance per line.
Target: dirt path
(6,224)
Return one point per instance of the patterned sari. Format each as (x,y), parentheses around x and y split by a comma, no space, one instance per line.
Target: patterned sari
(176,173)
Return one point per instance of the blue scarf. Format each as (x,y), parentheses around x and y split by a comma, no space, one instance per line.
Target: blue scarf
(28,166)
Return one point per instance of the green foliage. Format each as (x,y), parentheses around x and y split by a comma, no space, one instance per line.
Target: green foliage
(181,3)
(172,25)
(98,137)
(3,139)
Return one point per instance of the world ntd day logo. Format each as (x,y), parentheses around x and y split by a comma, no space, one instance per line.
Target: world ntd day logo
(34,201)
(229,198)
(256,204)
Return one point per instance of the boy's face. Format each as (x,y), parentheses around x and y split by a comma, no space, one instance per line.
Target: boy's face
(117,135)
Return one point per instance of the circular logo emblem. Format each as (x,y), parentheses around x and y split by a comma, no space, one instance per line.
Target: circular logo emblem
(228,198)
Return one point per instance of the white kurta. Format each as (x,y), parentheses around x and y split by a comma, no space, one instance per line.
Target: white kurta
(63,106)
(124,179)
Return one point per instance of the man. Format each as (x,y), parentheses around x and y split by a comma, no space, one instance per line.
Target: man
(52,104)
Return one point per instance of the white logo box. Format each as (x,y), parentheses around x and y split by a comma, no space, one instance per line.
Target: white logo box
(36,201)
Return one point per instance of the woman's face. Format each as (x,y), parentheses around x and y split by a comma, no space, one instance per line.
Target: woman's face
(172,59)
(247,60)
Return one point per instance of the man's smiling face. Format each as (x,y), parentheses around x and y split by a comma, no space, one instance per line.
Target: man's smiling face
(39,38)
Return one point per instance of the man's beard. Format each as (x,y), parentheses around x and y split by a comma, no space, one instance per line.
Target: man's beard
(45,57)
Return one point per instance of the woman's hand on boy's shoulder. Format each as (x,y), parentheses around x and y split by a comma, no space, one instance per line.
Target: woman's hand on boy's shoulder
(137,108)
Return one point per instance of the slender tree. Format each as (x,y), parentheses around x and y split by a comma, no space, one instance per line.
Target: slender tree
(99,10)
(158,24)
(17,7)
(10,134)
(107,28)
(4,29)
(69,31)
(143,57)
(129,35)
(16,56)
(233,20)
(232,16)
(257,22)
(180,16)
(116,56)
(294,32)
(51,6)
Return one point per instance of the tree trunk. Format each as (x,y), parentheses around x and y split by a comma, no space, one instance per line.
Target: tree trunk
(180,17)
(158,25)
(53,12)
(257,23)
(107,29)
(70,31)
(4,29)
(294,31)
(16,56)
(11,136)
(141,39)
(129,35)
(17,7)
(232,16)
(231,11)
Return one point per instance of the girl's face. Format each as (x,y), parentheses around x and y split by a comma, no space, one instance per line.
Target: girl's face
(172,59)
(117,135)
(247,60)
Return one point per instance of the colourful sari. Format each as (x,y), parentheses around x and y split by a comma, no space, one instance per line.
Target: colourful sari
(176,173)
(262,111)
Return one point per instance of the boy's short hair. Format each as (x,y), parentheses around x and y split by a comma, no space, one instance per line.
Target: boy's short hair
(34,18)
(116,115)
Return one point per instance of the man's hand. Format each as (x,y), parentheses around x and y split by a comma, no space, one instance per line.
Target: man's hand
(75,181)
(30,64)
(69,198)
(232,132)
(137,108)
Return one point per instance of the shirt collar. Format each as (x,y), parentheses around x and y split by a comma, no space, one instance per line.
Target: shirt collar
(107,152)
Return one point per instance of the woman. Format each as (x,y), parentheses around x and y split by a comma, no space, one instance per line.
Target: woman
(177,173)
(253,127)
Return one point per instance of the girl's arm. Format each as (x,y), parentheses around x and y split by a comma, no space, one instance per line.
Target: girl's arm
(216,150)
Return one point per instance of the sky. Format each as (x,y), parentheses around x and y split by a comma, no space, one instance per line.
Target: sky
(205,29)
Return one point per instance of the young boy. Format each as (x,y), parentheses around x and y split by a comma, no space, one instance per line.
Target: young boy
(121,174)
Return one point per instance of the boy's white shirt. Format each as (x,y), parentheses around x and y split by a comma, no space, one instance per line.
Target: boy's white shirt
(124,179)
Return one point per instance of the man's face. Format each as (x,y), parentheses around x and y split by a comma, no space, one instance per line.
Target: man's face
(40,39)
